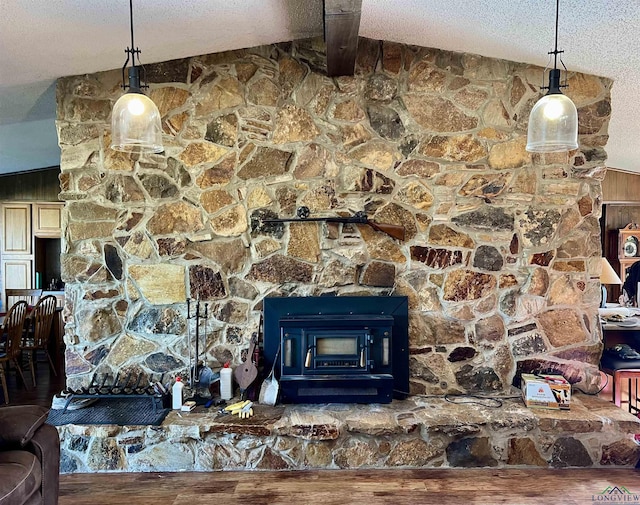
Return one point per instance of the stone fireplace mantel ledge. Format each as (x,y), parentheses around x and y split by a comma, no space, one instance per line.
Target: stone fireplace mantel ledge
(434,415)
(413,433)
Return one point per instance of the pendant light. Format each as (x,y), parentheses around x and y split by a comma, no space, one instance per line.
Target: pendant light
(135,119)
(553,122)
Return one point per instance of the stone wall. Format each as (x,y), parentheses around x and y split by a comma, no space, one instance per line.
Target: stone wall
(501,258)
(417,433)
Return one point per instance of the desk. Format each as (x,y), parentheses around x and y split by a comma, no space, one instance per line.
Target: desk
(623,333)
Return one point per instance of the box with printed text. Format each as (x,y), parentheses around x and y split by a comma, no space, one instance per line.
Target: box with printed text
(546,391)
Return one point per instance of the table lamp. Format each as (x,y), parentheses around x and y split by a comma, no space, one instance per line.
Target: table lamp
(607,276)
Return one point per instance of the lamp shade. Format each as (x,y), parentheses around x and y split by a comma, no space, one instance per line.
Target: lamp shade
(135,124)
(553,125)
(607,274)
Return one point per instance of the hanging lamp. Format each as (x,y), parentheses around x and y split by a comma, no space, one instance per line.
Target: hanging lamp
(135,119)
(553,122)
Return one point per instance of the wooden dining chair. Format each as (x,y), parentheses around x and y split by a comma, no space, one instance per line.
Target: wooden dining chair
(36,337)
(31,296)
(58,294)
(12,332)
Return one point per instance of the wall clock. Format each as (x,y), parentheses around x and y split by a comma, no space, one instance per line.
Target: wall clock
(630,247)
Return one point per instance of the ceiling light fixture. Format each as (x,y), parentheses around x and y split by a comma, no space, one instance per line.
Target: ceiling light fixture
(553,122)
(135,120)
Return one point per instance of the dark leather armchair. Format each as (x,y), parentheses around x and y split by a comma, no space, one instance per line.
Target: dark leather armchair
(29,457)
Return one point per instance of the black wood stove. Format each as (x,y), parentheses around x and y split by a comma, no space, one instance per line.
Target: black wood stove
(347,349)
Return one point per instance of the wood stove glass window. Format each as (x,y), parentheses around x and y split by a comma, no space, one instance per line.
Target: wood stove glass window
(337,350)
(332,346)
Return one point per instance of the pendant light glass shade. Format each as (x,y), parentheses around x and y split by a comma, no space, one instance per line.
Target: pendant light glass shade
(553,125)
(135,119)
(553,122)
(135,124)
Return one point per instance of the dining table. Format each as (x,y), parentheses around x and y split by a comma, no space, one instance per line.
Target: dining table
(626,330)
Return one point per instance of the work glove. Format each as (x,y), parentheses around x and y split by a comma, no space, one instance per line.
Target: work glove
(243,409)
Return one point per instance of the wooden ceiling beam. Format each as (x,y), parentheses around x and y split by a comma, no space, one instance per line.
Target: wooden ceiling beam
(341,25)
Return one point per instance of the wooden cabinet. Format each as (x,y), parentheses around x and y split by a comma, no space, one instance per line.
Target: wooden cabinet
(16,228)
(47,220)
(628,247)
(16,262)
(30,249)
(16,273)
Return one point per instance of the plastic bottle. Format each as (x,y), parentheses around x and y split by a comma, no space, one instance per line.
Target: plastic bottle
(226,383)
(176,394)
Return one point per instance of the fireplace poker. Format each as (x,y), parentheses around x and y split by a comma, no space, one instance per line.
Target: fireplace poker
(188,341)
(195,368)
(204,343)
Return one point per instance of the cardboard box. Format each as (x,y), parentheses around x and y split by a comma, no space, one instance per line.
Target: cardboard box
(188,406)
(545,391)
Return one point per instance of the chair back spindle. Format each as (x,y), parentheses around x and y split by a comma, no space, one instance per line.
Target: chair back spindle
(31,296)
(42,318)
(37,335)
(13,326)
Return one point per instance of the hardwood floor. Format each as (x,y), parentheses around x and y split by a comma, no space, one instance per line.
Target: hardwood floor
(347,487)
(47,385)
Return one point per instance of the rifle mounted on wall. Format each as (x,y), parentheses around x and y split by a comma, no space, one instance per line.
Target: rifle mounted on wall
(393,230)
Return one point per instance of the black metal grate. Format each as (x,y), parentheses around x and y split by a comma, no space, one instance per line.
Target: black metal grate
(119,411)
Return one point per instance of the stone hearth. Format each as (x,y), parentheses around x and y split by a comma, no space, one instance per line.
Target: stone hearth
(416,433)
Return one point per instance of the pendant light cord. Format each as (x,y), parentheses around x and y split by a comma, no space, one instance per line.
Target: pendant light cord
(555,49)
(554,75)
(135,81)
(133,45)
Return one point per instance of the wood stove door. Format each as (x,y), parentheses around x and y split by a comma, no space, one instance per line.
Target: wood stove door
(336,351)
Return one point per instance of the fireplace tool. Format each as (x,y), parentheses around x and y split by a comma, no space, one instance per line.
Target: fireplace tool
(247,372)
(200,375)
(270,387)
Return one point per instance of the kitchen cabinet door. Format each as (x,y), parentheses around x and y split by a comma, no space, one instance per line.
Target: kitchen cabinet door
(16,228)
(47,220)
(16,273)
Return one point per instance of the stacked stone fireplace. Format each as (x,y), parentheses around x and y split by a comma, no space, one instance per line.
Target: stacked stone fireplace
(500,261)
(499,265)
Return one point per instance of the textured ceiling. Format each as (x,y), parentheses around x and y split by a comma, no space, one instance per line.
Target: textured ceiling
(41,40)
